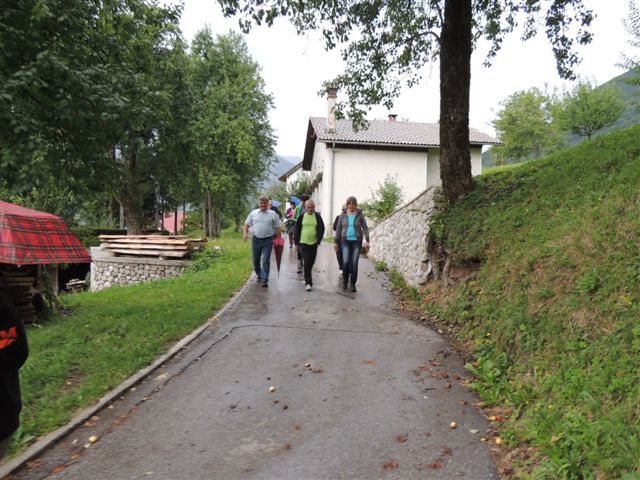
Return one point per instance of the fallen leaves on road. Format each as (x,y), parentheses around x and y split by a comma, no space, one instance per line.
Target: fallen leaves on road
(390,465)
(92,421)
(402,438)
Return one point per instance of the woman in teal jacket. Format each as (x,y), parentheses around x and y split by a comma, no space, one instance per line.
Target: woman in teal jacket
(352,233)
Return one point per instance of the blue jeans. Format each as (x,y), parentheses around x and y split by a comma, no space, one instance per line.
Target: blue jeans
(350,257)
(261,247)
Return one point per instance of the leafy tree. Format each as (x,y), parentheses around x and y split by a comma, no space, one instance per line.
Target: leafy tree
(387,42)
(525,126)
(586,109)
(78,79)
(278,191)
(232,139)
(385,199)
(142,36)
(301,186)
(632,25)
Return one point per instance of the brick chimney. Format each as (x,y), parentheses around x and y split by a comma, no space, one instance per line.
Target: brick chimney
(393,117)
(332,95)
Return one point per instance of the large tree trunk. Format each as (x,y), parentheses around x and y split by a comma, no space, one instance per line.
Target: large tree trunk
(205,214)
(216,221)
(175,222)
(129,196)
(455,79)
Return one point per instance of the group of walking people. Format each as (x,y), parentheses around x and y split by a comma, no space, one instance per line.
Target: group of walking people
(305,229)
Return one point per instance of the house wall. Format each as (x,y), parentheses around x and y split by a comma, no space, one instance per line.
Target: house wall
(295,176)
(322,193)
(359,172)
(433,165)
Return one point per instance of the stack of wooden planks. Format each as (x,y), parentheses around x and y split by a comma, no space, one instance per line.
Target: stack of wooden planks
(19,284)
(171,247)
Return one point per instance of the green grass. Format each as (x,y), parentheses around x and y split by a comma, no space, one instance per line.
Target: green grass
(500,168)
(554,310)
(109,335)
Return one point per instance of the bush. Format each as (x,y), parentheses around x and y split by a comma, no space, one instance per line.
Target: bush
(205,259)
(385,200)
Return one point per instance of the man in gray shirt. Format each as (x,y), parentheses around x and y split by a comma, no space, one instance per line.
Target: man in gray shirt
(265,225)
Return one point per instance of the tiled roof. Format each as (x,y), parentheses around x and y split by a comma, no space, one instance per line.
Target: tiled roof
(384,132)
(291,171)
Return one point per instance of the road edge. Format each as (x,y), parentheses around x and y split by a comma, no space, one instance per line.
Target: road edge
(49,439)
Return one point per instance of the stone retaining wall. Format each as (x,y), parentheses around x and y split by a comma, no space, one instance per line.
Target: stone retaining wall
(400,240)
(108,270)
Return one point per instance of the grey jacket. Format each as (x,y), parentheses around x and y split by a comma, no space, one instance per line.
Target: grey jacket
(360,226)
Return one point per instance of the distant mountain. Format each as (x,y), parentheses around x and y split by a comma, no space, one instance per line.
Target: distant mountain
(282,164)
(629,93)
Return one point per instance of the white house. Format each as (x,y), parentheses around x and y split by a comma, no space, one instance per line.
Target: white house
(355,163)
(293,175)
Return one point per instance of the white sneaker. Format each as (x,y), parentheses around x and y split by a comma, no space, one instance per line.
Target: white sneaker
(308,287)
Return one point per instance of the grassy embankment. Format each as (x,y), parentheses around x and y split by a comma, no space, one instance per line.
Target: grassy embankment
(105,337)
(553,311)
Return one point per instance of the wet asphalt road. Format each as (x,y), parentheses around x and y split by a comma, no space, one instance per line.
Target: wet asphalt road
(360,393)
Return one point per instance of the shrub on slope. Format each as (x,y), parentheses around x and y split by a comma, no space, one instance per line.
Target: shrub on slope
(554,309)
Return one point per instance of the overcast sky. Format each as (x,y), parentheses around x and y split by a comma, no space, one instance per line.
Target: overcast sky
(294,68)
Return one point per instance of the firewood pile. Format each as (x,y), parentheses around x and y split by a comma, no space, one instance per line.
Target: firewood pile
(169,247)
(19,285)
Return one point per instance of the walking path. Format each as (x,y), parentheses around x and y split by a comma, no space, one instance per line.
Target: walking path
(359,392)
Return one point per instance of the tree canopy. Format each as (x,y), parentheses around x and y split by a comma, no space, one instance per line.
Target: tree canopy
(632,25)
(587,109)
(526,127)
(385,43)
(107,97)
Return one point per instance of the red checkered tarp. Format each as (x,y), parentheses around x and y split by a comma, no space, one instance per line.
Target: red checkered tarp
(29,237)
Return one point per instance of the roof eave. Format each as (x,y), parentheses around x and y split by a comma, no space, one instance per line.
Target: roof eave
(309,147)
(291,171)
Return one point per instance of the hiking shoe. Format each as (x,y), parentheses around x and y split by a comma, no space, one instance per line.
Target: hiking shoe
(265,283)
(308,287)
(353,288)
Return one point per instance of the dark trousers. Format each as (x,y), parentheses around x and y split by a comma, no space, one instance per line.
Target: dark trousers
(4,445)
(261,247)
(350,257)
(339,255)
(308,253)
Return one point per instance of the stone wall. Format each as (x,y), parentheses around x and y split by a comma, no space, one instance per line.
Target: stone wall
(400,240)
(108,270)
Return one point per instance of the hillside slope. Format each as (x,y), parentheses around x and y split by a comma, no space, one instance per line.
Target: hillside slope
(629,93)
(552,312)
